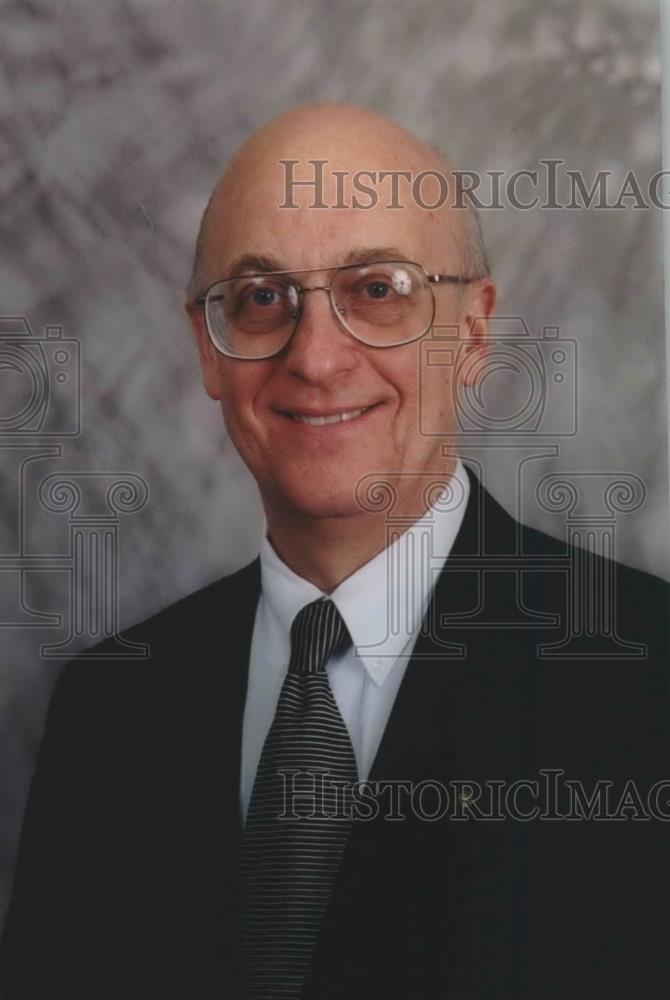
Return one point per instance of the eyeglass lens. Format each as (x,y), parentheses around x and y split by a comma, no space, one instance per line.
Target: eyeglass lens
(381,304)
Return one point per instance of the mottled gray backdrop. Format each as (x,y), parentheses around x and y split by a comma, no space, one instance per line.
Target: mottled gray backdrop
(116,120)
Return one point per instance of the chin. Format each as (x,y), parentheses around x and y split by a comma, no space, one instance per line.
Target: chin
(324,500)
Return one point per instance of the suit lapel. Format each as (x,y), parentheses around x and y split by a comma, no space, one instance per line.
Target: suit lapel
(436,650)
(457,715)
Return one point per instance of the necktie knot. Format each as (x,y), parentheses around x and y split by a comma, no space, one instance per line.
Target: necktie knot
(318,631)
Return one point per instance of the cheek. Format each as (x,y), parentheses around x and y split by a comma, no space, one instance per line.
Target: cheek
(418,381)
(242,409)
(230,408)
(399,369)
(436,401)
(239,390)
(234,409)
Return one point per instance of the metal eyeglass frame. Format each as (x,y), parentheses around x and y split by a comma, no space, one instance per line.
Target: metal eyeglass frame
(432,279)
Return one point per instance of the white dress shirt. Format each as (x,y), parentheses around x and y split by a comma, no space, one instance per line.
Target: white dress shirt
(383,605)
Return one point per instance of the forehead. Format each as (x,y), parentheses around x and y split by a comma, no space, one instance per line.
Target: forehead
(342,209)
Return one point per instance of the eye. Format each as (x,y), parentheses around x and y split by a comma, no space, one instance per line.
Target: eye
(259,295)
(258,301)
(377,289)
(263,296)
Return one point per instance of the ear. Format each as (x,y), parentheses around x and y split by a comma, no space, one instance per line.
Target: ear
(474,330)
(208,354)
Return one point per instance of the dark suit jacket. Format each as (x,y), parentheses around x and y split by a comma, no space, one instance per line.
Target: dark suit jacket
(126,882)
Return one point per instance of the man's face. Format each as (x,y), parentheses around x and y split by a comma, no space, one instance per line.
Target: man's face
(307,470)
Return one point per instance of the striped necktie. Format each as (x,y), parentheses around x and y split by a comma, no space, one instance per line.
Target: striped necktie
(289,864)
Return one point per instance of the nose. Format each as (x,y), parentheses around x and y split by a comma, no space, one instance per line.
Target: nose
(320,348)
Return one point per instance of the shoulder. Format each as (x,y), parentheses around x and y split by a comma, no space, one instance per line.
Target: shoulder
(500,531)
(600,587)
(218,604)
(592,572)
(156,653)
(575,578)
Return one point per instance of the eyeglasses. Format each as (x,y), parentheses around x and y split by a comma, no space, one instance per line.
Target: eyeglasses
(382,304)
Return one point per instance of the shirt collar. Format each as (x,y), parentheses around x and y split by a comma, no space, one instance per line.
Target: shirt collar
(383,603)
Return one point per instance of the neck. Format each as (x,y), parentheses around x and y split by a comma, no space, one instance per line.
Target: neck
(327,550)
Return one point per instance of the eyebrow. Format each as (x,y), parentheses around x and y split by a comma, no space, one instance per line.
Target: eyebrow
(252,262)
(262,263)
(371,255)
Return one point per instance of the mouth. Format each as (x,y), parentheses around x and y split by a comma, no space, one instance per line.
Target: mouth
(327,419)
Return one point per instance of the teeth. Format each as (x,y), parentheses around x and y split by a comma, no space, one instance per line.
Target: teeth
(335,419)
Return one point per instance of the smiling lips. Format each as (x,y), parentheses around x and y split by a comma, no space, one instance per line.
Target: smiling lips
(335,418)
(320,419)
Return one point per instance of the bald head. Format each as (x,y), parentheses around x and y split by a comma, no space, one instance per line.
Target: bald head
(352,142)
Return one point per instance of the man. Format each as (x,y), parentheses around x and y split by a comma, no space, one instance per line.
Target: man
(398,627)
